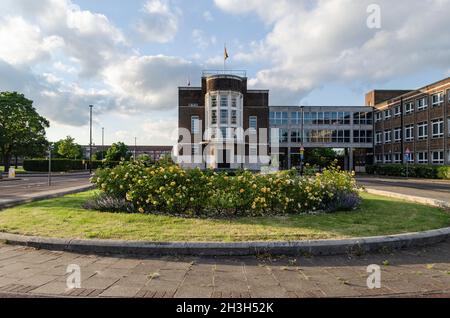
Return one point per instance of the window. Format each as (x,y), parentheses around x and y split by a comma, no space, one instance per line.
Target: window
(410,158)
(362,118)
(195,125)
(378,116)
(224,101)
(409,107)
(448,95)
(278,118)
(387,114)
(347,117)
(223,132)
(284,136)
(388,158)
(397,134)
(387,136)
(363,136)
(234,117)
(224,116)
(378,159)
(213,101)
(379,138)
(214,117)
(296,136)
(327,118)
(448,126)
(296,118)
(397,110)
(409,133)
(422,157)
(253,150)
(422,129)
(437,99)
(438,157)
(196,150)
(234,102)
(253,123)
(438,128)
(422,103)
(397,158)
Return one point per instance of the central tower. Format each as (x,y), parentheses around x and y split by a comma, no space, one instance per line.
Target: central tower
(222,110)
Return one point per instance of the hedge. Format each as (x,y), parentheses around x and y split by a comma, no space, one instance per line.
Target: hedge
(413,171)
(63,165)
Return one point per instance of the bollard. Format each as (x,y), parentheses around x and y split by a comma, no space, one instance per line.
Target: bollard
(11,173)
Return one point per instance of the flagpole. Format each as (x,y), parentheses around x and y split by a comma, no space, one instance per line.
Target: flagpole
(224,56)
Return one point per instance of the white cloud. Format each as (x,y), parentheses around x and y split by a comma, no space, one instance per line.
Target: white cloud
(148,82)
(207,15)
(24,43)
(165,132)
(202,40)
(159,23)
(311,43)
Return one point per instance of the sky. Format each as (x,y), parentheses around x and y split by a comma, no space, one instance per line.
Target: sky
(128,58)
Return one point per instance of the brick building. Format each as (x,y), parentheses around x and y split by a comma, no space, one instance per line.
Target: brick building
(415,121)
(211,114)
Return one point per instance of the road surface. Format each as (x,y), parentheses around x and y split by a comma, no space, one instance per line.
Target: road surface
(434,189)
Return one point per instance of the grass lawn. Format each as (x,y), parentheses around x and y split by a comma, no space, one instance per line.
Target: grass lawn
(18,170)
(64,217)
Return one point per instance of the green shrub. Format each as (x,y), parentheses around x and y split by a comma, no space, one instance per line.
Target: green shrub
(169,189)
(443,172)
(63,165)
(413,171)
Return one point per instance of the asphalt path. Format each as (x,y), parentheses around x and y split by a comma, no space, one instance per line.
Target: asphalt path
(433,189)
(30,186)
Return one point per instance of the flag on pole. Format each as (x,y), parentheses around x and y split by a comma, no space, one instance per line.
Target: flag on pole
(226,56)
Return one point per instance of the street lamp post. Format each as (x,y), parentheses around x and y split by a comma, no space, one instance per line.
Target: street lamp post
(302,149)
(50,148)
(90,138)
(135,146)
(103,141)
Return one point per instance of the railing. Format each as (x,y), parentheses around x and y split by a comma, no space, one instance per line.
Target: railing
(239,73)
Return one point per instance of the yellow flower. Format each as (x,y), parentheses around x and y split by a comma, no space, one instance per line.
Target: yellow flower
(173,183)
(141,210)
(242,191)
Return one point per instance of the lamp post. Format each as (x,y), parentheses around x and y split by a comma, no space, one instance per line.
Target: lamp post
(50,148)
(302,149)
(103,141)
(90,138)
(135,146)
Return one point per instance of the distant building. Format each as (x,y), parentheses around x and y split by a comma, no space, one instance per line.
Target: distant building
(155,152)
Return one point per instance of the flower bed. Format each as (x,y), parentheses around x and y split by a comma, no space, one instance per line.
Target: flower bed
(175,191)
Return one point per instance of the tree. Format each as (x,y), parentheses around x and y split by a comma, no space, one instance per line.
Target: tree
(67,148)
(22,129)
(118,151)
(322,157)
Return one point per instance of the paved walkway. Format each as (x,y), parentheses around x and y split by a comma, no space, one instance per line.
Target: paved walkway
(34,273)
(28,188)
(431,189)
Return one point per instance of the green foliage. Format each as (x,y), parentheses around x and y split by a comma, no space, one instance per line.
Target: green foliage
(170,189)
(413,171)
(68,149)
(22,129)
(118,152)
(63,165)
(443,172)
(146,159)
(322,157)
